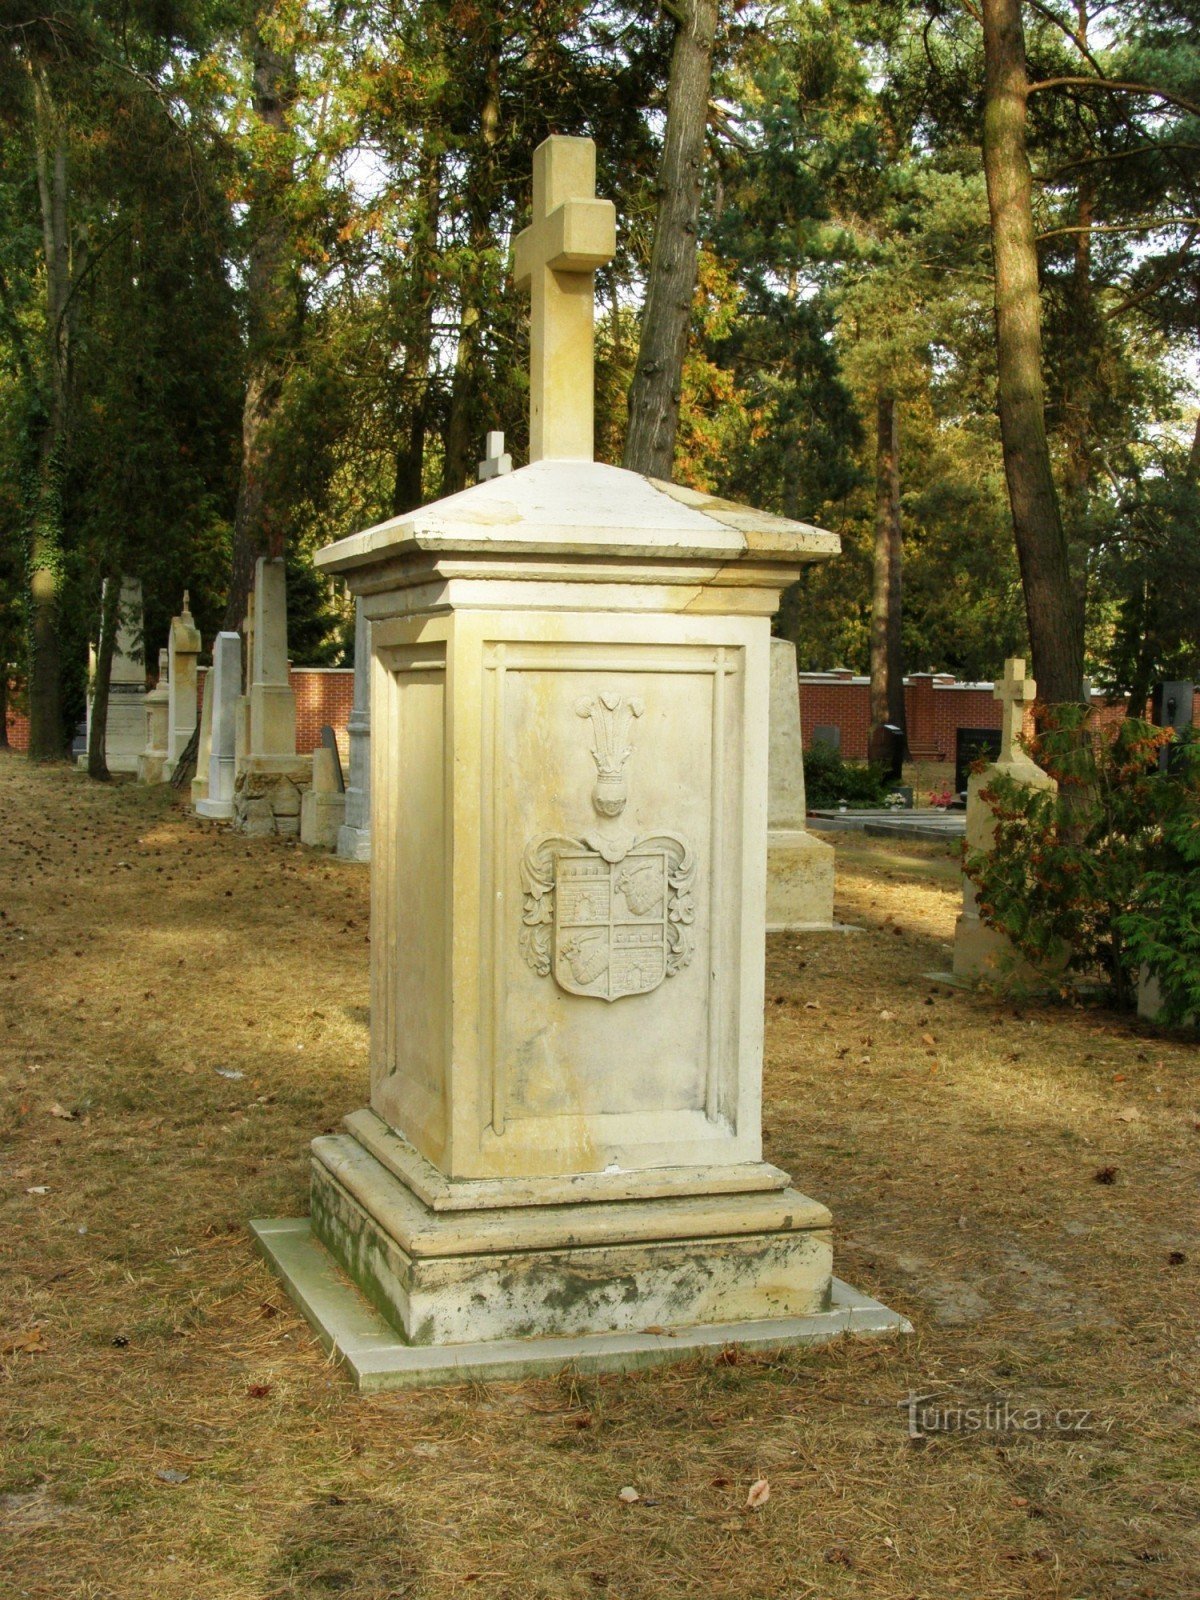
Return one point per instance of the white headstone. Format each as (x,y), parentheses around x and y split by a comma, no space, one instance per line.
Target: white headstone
(354,836)
(184,648)
(226,674)
(799,867)
(125,729)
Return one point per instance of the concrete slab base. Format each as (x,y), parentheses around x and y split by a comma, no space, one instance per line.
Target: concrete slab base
(377,1358)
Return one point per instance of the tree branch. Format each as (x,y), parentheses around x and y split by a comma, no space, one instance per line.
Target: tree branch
(1122,227)
(1120,88)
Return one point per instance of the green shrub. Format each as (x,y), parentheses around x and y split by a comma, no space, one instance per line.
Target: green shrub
(828,780)
(1105,875)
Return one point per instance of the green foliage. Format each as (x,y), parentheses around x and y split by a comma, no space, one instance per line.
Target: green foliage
(828,780)
(1097,878)
(1161,930)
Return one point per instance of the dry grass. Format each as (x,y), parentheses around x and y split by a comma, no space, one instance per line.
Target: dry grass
(957,1140)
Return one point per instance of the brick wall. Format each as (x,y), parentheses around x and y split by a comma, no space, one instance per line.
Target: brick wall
(936,706)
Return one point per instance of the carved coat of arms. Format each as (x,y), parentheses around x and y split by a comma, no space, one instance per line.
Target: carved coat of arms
(608,913)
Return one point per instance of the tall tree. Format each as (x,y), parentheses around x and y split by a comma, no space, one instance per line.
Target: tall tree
(887,648)
(1051,600)
(658,377)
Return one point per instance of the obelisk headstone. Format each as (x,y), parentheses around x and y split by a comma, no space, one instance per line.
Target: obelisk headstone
(226,677)
(125,728)
(269,784)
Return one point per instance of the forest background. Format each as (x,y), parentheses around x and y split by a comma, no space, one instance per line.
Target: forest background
(255,294)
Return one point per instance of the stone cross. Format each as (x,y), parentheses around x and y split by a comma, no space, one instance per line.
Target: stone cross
(572,233)
(1014,692)
(496,461)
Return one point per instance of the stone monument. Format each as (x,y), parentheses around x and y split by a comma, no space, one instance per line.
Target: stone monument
(270,775)
(226,679)
(323,807)
(496,460)
(184,647)
(562,1156)
(354,835)
(981,951)
(799,867)
(199,785)
(152,761)
(125,728)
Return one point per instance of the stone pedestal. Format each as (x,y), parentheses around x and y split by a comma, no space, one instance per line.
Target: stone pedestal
(226,681)
(562,1156)
(270,776)
(981,951)
(799,867)
(1150,1002)
(152,759)
(184,647)
(354,836)
(323,807)
(125,728)
(568,887)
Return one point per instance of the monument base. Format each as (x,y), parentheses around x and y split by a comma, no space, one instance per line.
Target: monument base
(465,1277)
(354,844)
(321,819)
(151,767)
(799,882)
(267,793)
(214,810)
(378,1358)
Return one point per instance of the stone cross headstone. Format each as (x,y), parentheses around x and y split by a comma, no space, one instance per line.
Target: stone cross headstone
(572,233)
(563,1146)
(981,951)
(184,647)
(152,761)
(125,728)
(799,867)
(226,678)
(496,461)
(354,835)
(1015,691)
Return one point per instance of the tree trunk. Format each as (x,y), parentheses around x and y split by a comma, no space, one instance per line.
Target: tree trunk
(110,621)
(1051,603)
(408,491)
(272,316)
(46,742)
(458,466)
(658,377)
(887,655)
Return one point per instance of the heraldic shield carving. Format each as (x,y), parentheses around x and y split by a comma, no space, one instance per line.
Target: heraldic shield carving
(609,914)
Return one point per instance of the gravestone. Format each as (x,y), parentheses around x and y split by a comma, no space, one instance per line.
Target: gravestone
(971,745)
(152,761)
(562,1154)
(199,784)
(981,951)
(354,835)
(270,774)
(125,727)
(184,647)
(828,735)
(799,866)
(323,807)
(226,677)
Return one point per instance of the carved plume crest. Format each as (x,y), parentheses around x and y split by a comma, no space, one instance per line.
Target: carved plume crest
(612,717)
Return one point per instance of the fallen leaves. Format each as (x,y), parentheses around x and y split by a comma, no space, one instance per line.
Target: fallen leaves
(759,1494)
(29,1341)
(629,1495)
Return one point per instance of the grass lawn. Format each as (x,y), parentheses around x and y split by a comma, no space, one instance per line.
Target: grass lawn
(181,1010)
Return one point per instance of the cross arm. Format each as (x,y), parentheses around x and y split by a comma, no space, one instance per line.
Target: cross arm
(577,236)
